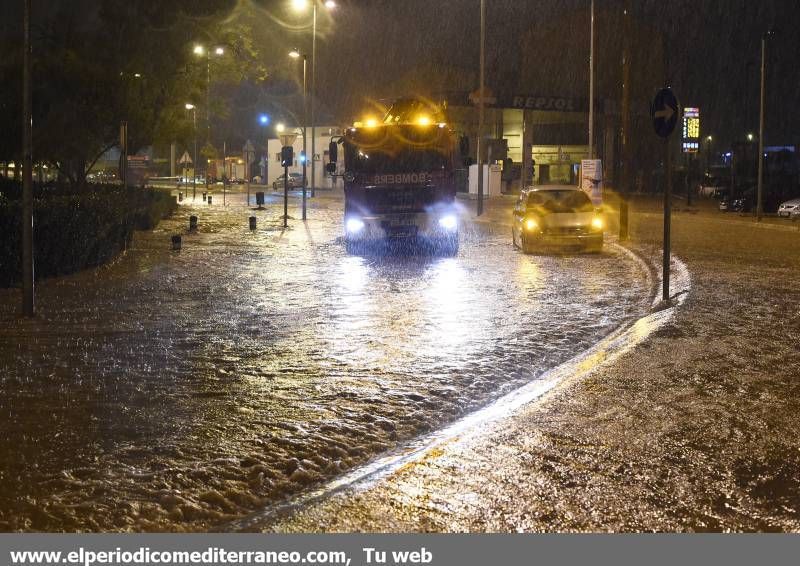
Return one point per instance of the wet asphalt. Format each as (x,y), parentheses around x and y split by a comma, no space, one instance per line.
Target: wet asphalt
(180,390)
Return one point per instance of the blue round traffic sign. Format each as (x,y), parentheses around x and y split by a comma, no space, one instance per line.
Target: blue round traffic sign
(664,112)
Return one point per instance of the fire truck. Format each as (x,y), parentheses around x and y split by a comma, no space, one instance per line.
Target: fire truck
(399,183)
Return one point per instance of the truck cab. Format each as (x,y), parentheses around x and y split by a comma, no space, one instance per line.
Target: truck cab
(399,183)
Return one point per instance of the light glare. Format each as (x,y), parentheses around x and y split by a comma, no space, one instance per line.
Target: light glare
(448,222)
(354,225)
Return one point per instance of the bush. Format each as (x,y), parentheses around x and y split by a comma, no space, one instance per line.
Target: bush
(75,229)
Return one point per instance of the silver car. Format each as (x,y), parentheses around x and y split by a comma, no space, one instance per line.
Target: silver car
(791,208)
(295,181)
(556,216)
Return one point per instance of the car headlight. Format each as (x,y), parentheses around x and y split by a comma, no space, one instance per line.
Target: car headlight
(597,223)
(531,224)
(354,225)
(448,222)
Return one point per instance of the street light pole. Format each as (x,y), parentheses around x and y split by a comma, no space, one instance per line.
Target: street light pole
(760,197)
(591,84)
(302,5)
(625,123)
(193,108)
(295,53)
(27,169)
(313,84)
(305,132)
(481,97)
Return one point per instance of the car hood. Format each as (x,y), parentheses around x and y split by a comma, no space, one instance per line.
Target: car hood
(567,219)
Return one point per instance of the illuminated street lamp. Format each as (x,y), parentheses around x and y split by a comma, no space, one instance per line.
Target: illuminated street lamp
(193,108)
(302,5)
(280,128)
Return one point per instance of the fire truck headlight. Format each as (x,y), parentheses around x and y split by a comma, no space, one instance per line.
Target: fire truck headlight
(354,225)
(448,222)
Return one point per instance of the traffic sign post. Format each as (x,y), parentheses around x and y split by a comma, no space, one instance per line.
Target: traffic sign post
(664,112)
(186,160)
(287,159)
(249,152)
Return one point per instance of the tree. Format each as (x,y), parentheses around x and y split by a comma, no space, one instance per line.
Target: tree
(99,63)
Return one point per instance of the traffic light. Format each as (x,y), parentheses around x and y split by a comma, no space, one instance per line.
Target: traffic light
(287,156)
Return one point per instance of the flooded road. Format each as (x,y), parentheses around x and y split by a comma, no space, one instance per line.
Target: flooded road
(179,390)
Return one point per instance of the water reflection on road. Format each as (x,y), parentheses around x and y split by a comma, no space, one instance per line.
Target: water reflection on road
(175,391)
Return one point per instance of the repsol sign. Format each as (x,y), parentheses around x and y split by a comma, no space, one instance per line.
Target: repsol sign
(552,103)
(401,179)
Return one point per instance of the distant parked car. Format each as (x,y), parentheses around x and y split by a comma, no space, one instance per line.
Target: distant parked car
(746,202)
(790,208)
(295,180)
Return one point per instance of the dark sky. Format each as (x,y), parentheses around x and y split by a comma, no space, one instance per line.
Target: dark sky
(714,48)
(367,45)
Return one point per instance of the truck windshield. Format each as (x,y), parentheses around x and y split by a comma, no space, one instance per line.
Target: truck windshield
(398,149)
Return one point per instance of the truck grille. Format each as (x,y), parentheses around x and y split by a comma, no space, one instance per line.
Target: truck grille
(400,199)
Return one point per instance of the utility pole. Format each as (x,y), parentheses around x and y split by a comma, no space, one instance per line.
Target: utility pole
(304,157)
(625,177)
(591,84)
(481,98)
(224,169)
(194,168)
(208,112)
(665,264)
(760,198)
(27,169)
(123,146)
(313,84)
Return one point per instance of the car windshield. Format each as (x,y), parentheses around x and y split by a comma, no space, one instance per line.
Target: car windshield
(560,201)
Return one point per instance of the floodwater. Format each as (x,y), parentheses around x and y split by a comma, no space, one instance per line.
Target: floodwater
(177,390)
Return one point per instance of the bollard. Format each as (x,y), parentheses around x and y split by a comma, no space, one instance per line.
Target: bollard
(204,196)
(192,223)
(260,199)
(176,242)
(180,197)
(209,199)
(252,222)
